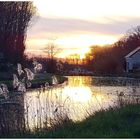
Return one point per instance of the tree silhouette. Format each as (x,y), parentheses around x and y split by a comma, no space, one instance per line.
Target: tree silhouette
(51,51)
(111,59)
(14,20)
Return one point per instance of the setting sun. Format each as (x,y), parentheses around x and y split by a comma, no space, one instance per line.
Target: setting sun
(73,28)
(77,25)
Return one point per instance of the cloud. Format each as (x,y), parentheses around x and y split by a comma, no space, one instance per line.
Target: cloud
(45,27)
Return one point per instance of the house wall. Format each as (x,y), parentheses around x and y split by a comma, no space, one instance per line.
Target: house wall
(133,61)
(136,57)
(129,64)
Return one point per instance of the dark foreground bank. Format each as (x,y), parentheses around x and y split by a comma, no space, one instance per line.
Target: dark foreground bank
(40,79)
(121,122)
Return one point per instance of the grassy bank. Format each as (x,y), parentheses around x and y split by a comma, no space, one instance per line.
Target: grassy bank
(113,123)
(40,79)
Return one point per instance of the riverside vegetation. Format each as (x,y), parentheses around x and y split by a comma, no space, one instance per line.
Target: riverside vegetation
(12,111)
(121,121)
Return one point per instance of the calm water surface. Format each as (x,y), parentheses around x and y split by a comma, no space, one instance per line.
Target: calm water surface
(76,99)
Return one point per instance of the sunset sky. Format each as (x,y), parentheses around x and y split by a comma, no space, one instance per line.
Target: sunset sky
(74,25)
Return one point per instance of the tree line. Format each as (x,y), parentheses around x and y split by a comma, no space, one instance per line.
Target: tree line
(110,59)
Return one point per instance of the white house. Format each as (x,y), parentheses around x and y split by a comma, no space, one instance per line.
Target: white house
(133,60)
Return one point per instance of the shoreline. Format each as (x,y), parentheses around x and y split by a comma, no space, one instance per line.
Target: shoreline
(36,83)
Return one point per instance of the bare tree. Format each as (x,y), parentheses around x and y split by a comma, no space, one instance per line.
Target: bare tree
(52,50)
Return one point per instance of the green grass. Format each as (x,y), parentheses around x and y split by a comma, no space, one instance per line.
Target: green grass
(113,123)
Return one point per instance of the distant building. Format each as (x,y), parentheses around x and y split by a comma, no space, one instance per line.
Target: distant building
(133,60)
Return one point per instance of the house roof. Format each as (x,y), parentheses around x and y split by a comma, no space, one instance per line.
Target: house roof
(133,52)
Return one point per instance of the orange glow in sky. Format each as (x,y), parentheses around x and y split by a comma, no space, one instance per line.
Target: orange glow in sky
(75,25)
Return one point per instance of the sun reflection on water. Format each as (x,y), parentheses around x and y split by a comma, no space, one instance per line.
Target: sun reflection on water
(78,94)
(78,99)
